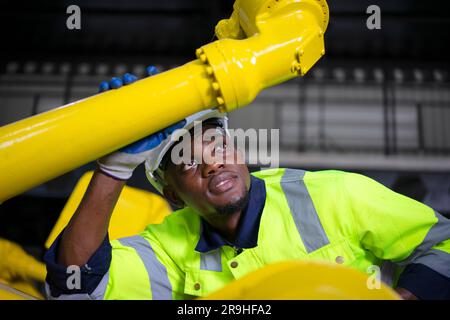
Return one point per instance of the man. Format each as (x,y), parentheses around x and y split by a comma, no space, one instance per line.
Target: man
(230,223)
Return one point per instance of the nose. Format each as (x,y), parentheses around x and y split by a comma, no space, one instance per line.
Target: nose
(211,169)
(211,162)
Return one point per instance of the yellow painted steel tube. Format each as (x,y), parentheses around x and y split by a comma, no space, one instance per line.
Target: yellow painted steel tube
(42,147)
(264,43)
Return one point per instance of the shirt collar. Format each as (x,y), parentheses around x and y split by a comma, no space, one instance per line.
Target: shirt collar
(248,228)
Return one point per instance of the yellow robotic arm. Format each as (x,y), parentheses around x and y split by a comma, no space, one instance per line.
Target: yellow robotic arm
(17,272)
(304,280)
(264,43)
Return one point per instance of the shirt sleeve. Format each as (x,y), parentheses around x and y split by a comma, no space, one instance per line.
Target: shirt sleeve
(404,231)
(425,283)
(73,282)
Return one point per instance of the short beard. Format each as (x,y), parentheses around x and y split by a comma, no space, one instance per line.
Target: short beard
(231,208)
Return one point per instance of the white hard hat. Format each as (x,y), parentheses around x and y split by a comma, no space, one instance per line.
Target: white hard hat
(153,170)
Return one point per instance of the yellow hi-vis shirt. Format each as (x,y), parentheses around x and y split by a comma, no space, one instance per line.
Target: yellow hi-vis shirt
(334,216)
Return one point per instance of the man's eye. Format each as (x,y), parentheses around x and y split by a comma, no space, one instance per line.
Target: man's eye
(220,148)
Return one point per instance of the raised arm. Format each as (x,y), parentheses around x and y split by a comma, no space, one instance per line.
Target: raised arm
(89,225)
(85,242)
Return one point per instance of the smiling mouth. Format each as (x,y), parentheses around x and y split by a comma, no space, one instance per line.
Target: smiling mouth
(220,184)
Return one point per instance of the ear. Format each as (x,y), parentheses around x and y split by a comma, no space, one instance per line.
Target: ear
(173,197)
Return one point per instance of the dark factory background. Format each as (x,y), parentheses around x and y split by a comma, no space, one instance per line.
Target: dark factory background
(378,102)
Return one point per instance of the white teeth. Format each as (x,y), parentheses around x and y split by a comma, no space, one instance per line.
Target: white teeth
(221,183)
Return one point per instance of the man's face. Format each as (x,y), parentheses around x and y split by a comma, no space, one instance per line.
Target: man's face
(212,187)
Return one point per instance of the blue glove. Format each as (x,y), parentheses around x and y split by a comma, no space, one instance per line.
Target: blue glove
(121,164)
